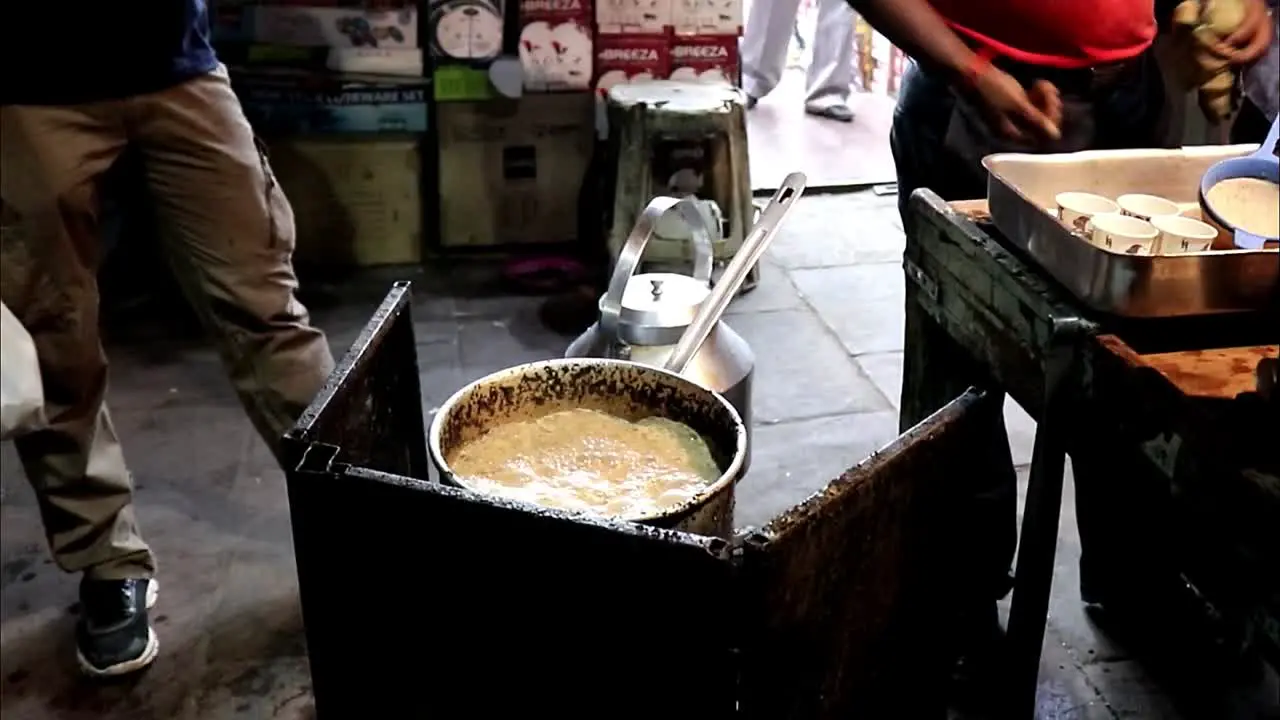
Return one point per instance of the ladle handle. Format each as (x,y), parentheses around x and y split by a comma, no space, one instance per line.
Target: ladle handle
(1268,148)
(753,246)
(633,249)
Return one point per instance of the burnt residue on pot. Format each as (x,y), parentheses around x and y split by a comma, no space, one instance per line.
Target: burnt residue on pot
(621,389)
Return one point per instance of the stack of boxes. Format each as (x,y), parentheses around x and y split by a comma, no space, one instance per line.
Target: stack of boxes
(338,92)
(513,109)
(342,90)
(693,40)
(511,169)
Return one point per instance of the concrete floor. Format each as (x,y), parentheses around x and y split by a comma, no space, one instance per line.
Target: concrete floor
(826,323)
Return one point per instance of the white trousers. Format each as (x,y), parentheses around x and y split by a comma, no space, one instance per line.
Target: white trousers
(767,36)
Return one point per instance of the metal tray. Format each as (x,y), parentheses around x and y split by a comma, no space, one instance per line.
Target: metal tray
(1020,192)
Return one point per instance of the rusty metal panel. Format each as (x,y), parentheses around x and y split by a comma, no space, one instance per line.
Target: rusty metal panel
(844,593)
(371,406)
(426,601)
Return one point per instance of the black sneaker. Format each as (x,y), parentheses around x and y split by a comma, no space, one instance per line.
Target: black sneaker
(114,636)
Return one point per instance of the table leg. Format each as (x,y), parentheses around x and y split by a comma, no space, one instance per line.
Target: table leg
(981,524)
(1038,540)
(1033,579)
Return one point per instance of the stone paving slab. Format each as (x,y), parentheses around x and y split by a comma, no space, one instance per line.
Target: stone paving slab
(801,369)
(862,304)
(793,460)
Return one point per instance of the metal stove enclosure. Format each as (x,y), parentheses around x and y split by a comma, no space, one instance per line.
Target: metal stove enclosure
(846,595)
(425,601)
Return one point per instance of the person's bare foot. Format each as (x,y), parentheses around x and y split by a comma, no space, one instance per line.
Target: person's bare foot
(839,113)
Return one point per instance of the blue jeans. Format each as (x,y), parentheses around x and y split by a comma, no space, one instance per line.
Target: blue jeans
(1126,114)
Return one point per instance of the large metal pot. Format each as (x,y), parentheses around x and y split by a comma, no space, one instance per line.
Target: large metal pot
(618,387)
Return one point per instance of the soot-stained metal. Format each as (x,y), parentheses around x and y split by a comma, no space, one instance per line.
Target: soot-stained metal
(421,599)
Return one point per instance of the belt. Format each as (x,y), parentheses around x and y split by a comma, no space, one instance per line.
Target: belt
(1077,81)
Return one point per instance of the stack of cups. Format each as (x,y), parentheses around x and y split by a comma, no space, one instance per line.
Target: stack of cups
(1134,224)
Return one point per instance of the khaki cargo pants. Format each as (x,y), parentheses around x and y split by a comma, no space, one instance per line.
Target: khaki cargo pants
(229,234)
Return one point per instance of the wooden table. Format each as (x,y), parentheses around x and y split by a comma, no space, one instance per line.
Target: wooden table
(1176,480)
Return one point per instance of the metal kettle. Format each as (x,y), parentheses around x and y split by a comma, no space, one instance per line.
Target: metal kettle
(673,321)
(643,316)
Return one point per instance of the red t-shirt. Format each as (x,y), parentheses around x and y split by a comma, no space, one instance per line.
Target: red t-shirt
(1056,33)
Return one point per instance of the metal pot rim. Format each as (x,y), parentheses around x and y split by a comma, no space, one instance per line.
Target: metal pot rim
(727,478)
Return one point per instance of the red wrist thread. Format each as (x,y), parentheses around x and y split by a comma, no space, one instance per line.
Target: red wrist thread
(978,66)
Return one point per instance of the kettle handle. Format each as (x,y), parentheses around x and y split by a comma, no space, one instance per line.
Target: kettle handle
(632,250)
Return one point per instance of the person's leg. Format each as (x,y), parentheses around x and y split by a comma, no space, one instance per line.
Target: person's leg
(830,73)
(765,40)
(50,162)
(985,555)
(230,235)
(1127,116)
(917,139)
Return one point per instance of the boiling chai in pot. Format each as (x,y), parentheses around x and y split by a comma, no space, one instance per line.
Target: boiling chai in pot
(588,461)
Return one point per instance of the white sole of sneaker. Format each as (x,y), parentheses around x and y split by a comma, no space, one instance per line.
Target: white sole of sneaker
(147,657)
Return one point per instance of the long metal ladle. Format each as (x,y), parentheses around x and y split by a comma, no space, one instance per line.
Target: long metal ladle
(753,246)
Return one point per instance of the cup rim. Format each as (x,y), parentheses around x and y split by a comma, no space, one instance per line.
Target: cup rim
(1130,198)
(1191,228)
(1138,228)
(1074,200)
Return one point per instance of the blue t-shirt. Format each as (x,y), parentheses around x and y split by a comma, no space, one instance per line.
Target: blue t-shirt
(100,50)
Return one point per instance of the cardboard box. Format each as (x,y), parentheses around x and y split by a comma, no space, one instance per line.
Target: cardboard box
(316,26)
(633,17)
(711,59)
(707,17)
(294,102)
(357,202)
(365,61)
(459,83)
(511,170)
(555,45)
(630,59)
(467,31)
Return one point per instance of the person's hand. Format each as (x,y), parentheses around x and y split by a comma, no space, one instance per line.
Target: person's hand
(1015,113)
(1046,97)
(1249,41)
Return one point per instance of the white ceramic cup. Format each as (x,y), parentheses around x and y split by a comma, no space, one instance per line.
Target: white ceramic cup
(1146,207)
(1123,234)
(1183,234)
(1075,208)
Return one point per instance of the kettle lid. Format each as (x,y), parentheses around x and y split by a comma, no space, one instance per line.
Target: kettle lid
(661,300)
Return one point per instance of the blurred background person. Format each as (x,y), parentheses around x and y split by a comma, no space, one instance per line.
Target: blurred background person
(767,36)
